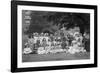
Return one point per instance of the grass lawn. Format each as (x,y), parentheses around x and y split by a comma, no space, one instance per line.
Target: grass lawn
(54,57)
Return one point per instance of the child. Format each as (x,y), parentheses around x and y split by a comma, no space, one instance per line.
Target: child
(73,48)
(27,50)
(41,50)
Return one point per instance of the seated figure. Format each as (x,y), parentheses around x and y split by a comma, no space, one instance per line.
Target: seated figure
(27,50)
(41,50)
(76,47)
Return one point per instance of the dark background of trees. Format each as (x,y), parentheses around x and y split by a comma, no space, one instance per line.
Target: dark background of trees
(42,21)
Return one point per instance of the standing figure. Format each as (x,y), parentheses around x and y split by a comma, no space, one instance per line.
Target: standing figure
(44,43)
(87,41)
(63,39)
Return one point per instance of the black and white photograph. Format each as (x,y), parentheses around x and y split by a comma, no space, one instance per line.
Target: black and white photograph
(54,36)
(49,36)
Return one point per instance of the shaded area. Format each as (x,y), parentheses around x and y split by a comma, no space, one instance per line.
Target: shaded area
(47,21)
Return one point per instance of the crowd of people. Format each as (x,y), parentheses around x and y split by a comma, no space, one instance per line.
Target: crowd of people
(46,43)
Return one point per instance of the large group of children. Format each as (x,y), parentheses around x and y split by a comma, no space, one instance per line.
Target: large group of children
(46,43)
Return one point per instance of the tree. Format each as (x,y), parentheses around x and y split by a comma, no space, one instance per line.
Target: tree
(71,20)
(53,21)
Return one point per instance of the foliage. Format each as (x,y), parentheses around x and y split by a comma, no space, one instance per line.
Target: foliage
(43,21)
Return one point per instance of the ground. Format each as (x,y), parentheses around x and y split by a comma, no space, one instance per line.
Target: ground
(54,57)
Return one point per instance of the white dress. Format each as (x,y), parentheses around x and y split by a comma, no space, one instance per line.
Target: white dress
(41,50)
(27,51)
(74,48)
(35,39)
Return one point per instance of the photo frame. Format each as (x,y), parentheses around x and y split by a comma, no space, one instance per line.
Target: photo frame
(58,13)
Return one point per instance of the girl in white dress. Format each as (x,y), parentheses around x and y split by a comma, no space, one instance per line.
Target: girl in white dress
(41,50)
(73,48)
(27,50)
